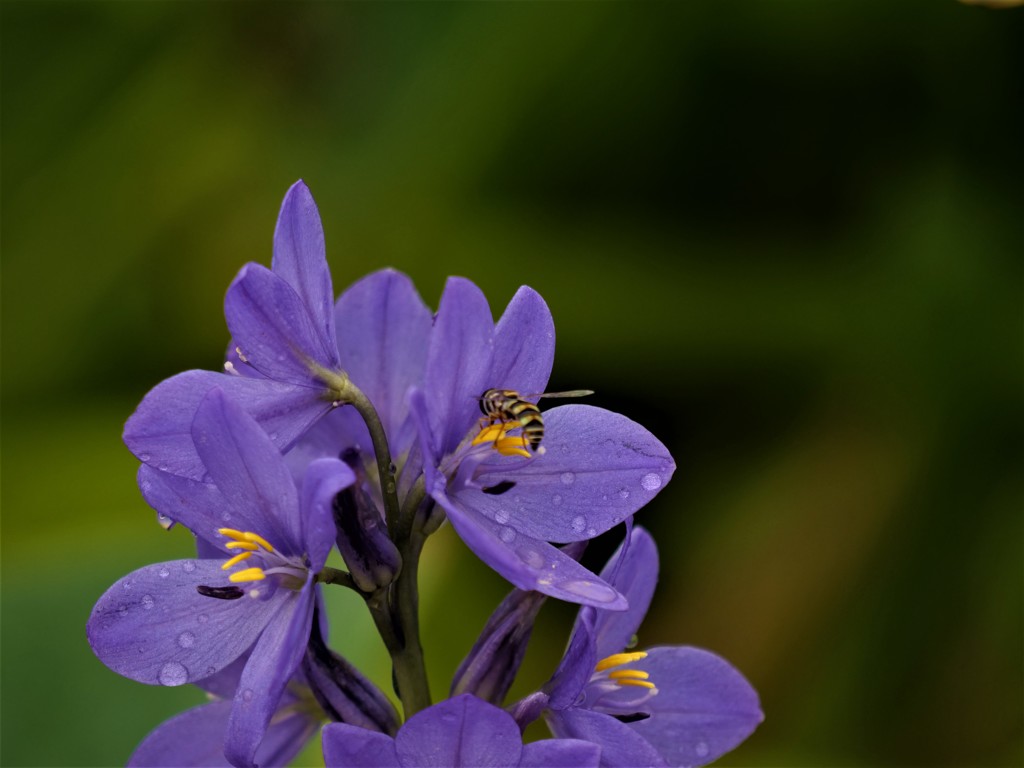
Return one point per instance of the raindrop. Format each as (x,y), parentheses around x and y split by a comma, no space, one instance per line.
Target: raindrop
(126,585)
(568,478)
(210,671)
(202,618)
(623,493)
(651,482)
(591,590)
(172,673)
(164,521)
(507,535)
(189,566)
(164,573)
(531,557)
(225,516)
(579,523)
(148,601)
(272,435)
(186,640)
(164,468)
(701,749)
(122,610)
(247,694)
(591,532)
(501,516)
(144,457)
(556,499)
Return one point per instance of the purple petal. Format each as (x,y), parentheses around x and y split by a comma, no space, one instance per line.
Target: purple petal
(247,469)
(323,480)
(385,332)
(703,709)
(196,738)
(621,747)
(154,627)
(635,576)
(348,746)
(458,362)
(301,259)
(463,731)
(272,328)
(273,661)
(159,433)
(560,753)
(598,468)
(577,666)
(524,344)
(340,430)
(224,683)
(528,563)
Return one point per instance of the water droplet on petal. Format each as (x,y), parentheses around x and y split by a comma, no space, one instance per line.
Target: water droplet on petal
(164,573)
(164,521)
(148,601)
(591,532)
(202,618)
(172,673)
(507,535)
(556,499)
(591,590)
(531,557)
(579,523)
(701,749)
(144,457)
(122,610)
(126,585)
(272,435)
(225,516)
(247,694)
(623,493)
(650,482)
(568,478)
(186,640)
(189,566)
(210,671)
(164,468)
(501,516)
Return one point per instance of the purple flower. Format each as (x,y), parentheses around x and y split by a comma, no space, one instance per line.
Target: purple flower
(463,731)
(506,496)
(284,350)
(183,621)
(671,705)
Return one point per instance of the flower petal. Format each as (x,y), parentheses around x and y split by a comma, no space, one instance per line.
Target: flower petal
(524,344)
(598,468)
(703,709)
(463,731)
(301,258)
(159,433)
(272,328)
(321,483)
(458,362)
(528,563)
(274,660)
(383,346)
(348,746)
(154,627)
(248,470)
(635,576)
(560,753)
(577,665)
(621,747)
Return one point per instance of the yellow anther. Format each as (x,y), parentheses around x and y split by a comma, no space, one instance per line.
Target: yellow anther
(635,683)
(249,574)
(255,538)
(490,434)
(618,659)
(236,559)
(623,674)
(512,446)
(231,533)
(247,545)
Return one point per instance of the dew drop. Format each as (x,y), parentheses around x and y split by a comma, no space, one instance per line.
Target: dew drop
(568,478)
(172,673)
(272,435)
(164,521)
(164,468)
(591,532)
(507,535)
(164,573)
(701,749)
(144,457)
(189,566)
(501,516)
(148,601)
(247,694)
(651,482)
(623,493)
(122,610)
(556,499)
(126,585)
(591,590)
(225,516)
(210,671)
(579,523)
(202,618)
(531,557)
(186,640)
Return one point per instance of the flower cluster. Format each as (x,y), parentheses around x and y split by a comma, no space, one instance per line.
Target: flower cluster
(365,424)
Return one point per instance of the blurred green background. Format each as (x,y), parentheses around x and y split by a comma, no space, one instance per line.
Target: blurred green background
(786,236)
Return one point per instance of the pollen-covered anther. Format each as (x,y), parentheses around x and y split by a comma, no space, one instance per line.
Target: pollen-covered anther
(631,677)
(249,574)
(618,659)
(497,435)
(245,537)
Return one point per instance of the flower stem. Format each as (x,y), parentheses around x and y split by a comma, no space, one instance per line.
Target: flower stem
(388,487)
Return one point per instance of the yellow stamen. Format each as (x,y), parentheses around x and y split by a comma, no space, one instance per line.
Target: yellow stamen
(490,434)
(635,683)
(236,559)
(246,545)
(622,674)
(249,574)
(618,659)
(231,533)
(257,539)
(512,446)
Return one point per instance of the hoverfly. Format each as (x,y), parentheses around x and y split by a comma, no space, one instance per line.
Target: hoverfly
(506,406)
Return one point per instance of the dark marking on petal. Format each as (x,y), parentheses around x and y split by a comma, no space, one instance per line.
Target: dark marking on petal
(220,593)
(636,717)
(500,488)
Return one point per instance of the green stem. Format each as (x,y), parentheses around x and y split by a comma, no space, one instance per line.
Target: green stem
(388,487)
(339,577)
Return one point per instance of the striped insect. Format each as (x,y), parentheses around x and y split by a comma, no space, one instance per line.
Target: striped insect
(506,406)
